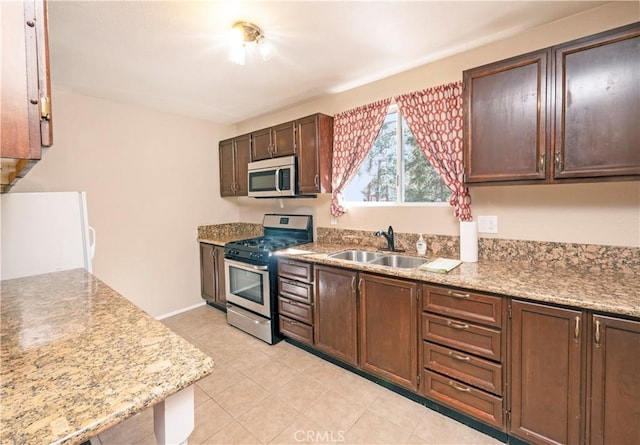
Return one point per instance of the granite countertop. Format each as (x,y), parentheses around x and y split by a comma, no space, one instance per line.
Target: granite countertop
(77,358)
(616,293)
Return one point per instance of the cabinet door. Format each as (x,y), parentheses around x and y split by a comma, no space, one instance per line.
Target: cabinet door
(26,118)
(505,119)
(315,151)
(597,102)
(546,373)
(389,329)
(207,274)
(335,313)
(283,139)
(615,381)
(261,144)
(227,167)
(308,156)
(242,153)
(218,270)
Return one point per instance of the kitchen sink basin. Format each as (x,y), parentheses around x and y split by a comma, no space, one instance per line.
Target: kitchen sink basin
(398,261)
(359,256)
(379,258)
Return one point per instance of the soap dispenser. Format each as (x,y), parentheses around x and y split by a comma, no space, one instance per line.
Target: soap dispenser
(421,246)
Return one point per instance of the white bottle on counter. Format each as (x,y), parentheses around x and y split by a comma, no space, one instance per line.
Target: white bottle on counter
(421,246)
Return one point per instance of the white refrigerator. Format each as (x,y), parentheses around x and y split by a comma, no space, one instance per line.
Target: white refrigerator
(44,232)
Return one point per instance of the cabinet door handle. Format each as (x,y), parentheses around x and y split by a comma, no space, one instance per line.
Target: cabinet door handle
(45,108)
(353,284)
(316,180)
(462,358)
(597,334)
(459,387)
(360,286)
(576,330)
(542,162)
(454,325)
(558,162)
(457,294)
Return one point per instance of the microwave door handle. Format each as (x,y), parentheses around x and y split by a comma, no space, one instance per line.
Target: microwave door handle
(278,180)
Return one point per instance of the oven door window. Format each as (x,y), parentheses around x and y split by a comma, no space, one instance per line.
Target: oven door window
(246,284)
(262,181)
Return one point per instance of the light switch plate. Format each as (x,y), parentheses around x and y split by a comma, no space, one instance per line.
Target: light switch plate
(487,224)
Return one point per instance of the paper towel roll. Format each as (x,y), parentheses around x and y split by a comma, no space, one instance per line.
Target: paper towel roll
(469,241)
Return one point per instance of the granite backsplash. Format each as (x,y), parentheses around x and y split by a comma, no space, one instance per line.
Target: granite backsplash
(230,231)
(590,256)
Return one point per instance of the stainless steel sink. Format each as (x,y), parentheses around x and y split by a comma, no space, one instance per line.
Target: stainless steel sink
(360,256)
(398,261)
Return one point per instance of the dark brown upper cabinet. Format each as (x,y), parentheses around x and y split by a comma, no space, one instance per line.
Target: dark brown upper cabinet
(597,97)
(506,119)
(26,124)
(315,151)
(274,142)
(234,161)
(560,114)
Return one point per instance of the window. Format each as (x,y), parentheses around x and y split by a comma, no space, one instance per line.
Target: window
(395,170)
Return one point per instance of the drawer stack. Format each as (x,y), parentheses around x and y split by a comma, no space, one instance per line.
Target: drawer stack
(463,351)
(295,300)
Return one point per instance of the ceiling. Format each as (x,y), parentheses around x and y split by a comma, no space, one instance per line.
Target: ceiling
(172,55)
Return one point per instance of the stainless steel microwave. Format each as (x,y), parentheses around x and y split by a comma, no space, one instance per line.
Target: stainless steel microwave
(273,178)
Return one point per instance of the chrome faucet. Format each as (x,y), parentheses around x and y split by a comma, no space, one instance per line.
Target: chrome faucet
(389,237)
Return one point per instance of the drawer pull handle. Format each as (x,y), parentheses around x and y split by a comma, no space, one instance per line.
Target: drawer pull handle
(454,325)
(457,294)
(291,302)
(459,387)
(292,323)
(459,357)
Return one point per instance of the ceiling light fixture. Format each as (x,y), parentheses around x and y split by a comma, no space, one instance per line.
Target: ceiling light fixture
(244,35)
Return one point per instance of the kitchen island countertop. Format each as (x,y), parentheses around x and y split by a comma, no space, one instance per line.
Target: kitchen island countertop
(77,358)
(616,293)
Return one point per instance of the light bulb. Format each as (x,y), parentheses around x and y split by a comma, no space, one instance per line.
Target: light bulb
(267,50)
(236,55)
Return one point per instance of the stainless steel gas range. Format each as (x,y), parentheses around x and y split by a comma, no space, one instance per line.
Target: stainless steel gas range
(251,274)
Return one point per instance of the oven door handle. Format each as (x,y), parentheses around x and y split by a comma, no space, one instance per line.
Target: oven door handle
(247,266)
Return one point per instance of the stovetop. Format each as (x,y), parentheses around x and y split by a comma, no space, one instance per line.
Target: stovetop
(281,231)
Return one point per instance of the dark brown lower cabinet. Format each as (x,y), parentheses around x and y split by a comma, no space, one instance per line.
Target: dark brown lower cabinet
(389,329)
(212,286)
(546,373)
(336,313)
(615,381)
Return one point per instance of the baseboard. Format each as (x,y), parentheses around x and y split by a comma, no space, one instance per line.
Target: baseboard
(180,311)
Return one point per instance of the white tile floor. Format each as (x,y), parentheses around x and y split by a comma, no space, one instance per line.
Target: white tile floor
(280,394)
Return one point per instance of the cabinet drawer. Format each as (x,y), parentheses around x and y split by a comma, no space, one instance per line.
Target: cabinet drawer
(296,330)
(296,270)
(295,289)
(475,371)
(467,337)
(295,309)
(470,401)
(470,306)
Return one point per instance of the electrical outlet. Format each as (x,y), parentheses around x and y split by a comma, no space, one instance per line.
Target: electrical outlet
(487,224)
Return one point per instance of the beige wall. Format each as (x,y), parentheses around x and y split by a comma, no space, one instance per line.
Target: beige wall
(151,178)
(603,213)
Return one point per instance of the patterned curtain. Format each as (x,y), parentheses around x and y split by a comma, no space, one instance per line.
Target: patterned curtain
(434,117)
(354,132)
